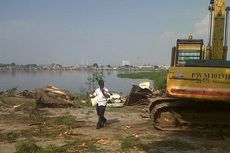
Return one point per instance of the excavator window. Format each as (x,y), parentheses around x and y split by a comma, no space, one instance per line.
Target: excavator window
(188,49)
(184,55)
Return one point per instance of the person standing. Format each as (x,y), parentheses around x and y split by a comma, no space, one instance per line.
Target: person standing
(102,94)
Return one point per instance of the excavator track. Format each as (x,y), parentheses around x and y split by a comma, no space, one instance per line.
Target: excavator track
(171,114)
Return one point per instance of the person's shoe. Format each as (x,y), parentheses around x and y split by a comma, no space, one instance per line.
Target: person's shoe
(99,126)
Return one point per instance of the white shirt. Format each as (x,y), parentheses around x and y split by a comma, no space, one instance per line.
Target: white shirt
(101,100)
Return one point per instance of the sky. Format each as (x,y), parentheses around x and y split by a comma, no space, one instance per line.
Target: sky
(105,32)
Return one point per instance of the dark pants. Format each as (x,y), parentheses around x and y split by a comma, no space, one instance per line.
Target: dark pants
(101,118)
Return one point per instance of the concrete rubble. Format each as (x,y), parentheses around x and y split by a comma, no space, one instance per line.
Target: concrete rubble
(116,100)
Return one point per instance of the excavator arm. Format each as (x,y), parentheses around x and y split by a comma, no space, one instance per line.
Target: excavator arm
(217,46)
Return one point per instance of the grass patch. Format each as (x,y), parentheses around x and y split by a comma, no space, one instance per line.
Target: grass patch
(143,75)
(77,145)
(14,117)
(29,146)
(82,102)
(158,77)
(20,103)
(9,136)
(26,106)
(168,145)
(55,126)
(44,131)
(43,126)
(80,146)
(91,147)
(125,109)
(82,99)
(128,142)
(66,120)
(9,92)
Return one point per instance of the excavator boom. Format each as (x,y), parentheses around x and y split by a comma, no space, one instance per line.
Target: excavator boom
(217,45)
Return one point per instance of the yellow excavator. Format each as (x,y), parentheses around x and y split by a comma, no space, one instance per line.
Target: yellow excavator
(198,80)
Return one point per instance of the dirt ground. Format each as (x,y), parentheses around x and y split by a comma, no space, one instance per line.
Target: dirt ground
(74,130)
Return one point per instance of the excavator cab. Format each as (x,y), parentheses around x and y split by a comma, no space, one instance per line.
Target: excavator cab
(192,76)
(187,50)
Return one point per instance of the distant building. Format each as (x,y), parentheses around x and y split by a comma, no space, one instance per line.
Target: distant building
(164,67)
(125,62)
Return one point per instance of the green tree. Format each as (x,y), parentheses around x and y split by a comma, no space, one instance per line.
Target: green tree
(92,80)
(95,65)
(13,64)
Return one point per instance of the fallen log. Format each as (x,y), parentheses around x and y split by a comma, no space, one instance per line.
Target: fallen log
(53,97)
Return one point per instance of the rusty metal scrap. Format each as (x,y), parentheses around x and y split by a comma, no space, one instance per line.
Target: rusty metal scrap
(138,95)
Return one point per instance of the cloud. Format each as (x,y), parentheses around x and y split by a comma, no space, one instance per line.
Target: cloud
(167,35)
(202,27)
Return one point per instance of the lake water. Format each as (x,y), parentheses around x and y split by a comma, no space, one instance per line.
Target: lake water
(69,80)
